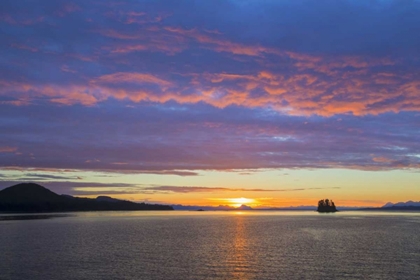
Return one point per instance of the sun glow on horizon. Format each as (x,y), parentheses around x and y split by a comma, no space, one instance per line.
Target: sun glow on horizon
(237,202)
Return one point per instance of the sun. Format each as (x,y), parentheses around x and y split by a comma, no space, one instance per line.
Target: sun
(236,202)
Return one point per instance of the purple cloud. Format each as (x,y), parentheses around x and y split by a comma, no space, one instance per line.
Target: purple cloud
(154,88)
(87,53)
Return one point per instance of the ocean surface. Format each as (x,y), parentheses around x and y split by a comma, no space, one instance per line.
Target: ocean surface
(211,245)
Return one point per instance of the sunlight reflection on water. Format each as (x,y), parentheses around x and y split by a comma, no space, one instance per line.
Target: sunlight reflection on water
(213,245)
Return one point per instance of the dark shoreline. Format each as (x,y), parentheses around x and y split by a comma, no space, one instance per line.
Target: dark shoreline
(31,216)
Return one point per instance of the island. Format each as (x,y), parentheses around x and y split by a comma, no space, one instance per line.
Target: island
(34,198)
(326,206)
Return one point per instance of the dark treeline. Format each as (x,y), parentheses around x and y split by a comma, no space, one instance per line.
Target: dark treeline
(326,205)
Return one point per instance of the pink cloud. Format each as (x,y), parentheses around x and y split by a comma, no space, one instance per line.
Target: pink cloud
(24,47)
(8,149)
(381,159)
(299,94)
(309,84)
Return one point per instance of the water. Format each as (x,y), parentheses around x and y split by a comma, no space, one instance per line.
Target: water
(212,245)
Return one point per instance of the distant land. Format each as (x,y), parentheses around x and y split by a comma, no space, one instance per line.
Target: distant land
(34,198)
(246,207)
(400,206)
(210,208)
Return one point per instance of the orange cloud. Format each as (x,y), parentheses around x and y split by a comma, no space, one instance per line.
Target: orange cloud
(310,85)
(382,159)
(299,94)
(8,149)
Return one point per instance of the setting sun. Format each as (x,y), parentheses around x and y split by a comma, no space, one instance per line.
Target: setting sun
(236,202)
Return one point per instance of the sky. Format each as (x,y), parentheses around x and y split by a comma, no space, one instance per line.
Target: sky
(264,103)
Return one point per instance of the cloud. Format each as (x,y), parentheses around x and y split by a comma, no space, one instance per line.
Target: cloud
(81,188)
(136,78)
(147,53)
(182,140)
(7,149)
(174,88)
(78,188)
(300,94)
(381,159)
(35,176)
(197,189)
(43,177)
(20,20)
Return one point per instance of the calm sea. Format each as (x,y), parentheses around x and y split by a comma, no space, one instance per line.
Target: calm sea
(212,245)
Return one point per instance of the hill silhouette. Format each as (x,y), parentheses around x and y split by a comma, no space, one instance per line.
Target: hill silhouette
(30,197)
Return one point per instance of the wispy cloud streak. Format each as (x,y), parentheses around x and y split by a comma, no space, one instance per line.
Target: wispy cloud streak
(195,189)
